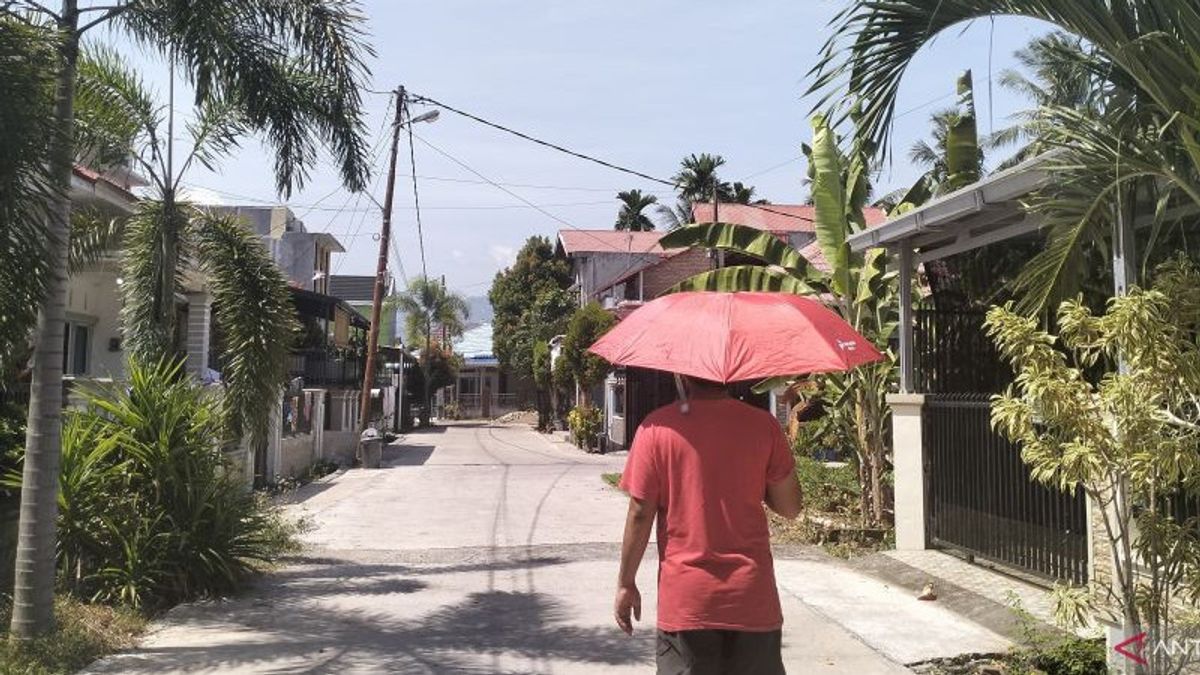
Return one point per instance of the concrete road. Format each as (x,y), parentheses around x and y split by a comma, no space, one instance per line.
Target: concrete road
(492,549)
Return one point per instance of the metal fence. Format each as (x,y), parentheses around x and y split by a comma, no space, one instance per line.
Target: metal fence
(954,355)
(471,405)
(319,367)
(982,500)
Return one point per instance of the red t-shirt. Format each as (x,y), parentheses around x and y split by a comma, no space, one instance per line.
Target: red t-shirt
(707,471)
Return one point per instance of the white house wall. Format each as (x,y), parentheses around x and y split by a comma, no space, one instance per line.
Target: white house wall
(94,299)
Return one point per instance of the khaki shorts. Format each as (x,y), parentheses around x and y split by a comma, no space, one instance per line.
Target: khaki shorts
(719,652)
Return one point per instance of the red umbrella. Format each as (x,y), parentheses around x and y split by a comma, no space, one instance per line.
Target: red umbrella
(729,337)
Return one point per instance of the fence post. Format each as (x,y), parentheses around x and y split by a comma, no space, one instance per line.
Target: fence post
(908,457)
(318,423)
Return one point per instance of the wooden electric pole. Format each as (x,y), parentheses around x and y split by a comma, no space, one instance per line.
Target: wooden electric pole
(385,233)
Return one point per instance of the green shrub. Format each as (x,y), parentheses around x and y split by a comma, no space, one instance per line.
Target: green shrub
(827,488)
(149,511)
(585,422)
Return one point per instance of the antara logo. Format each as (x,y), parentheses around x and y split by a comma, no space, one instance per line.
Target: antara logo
(1132,648)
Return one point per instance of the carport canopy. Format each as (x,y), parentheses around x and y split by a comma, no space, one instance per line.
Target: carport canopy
(987,212)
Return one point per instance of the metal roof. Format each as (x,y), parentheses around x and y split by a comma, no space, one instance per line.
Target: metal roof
(984,212)
(352,287)
(475,343)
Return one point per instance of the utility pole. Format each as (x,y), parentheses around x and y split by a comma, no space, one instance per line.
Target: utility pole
(385,233)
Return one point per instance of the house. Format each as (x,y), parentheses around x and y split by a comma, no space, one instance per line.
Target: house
(484,388)
(303,256)
(600,257)
(358,291)
(93,340)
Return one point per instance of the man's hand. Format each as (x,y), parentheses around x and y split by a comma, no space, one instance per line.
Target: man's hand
(628,599)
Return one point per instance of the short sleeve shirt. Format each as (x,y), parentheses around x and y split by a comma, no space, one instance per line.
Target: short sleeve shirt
(707,471)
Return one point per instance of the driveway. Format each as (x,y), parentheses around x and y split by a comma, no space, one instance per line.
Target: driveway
(484,549)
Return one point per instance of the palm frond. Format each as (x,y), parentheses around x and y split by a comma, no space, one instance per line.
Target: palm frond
(116,115)
(93,236)
(151,279)
(740,239)
(26,187)
(745,278)
(252,305)
(830,202)
(294,68)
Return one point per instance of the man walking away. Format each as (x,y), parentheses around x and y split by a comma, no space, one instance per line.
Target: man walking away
(703,469)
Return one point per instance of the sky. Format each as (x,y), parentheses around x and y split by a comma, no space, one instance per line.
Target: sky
(638,83)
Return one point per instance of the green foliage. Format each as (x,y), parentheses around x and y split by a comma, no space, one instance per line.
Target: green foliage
(253,307)
(586,326)
(858,286)
(631,216)
(428,305)
(541,364)
(1127,436)
(828,488)
(26,188)
(150,512)
(585,422)
(1054,653)
(441,364)
(612,479)
(538,277)
(84,633)
(1128,146)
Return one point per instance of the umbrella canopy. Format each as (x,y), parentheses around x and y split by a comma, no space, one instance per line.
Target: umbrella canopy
(729,337)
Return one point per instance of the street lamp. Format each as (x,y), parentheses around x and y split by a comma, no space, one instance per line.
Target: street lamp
(430,116)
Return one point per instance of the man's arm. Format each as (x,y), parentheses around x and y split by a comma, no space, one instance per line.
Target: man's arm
(638,523)
(784,497)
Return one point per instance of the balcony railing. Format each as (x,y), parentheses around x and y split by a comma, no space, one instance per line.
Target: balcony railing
(321,368)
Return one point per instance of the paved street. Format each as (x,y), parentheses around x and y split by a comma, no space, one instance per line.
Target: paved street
(492,549)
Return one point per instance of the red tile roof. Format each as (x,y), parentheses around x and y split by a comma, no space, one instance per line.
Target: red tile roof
(609,241)
(815,256)
(771,217)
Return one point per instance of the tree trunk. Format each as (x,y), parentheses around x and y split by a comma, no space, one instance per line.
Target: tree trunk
(33,587)
(868,472)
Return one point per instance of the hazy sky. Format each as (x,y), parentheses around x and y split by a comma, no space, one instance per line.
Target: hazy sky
(638,83)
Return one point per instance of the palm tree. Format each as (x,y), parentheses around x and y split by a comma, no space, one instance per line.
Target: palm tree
(676,215)
(1139,149)
(294,70)
(697,178)
(425,304)
(630,217)
(856,287)
(1064,75)
(696,181)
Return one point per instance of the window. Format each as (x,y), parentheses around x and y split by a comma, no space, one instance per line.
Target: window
(468,385)
(77,348)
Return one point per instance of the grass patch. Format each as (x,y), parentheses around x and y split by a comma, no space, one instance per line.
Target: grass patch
(85,633)
(613,479)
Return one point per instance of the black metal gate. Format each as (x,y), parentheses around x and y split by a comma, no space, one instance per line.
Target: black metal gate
(981,498)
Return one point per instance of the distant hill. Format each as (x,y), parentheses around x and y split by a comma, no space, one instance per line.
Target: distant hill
(480,310)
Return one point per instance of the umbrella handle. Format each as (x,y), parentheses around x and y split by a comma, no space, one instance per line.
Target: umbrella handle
(684,406)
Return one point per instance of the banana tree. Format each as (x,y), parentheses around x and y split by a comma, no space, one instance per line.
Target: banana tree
(857,286)
(956,157)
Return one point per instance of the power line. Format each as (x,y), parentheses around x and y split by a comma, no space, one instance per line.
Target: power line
(412,158)
(580,155)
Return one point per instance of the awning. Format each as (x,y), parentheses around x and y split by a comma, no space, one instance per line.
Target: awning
(982,213)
